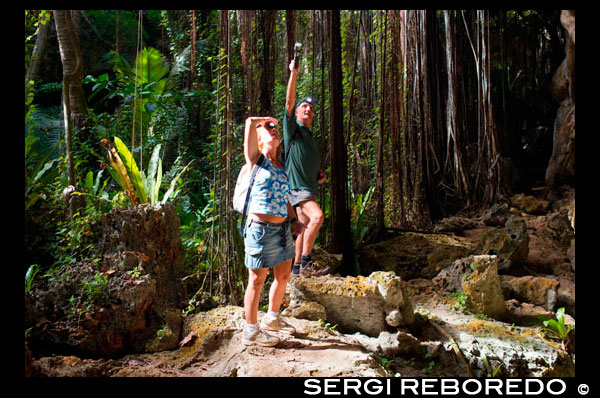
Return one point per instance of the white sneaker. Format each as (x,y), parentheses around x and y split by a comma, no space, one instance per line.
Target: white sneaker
(276,325)
(259,338)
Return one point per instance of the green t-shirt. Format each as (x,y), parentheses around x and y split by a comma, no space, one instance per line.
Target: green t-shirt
(302,162)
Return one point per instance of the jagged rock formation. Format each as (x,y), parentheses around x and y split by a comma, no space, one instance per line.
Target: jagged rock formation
(561,167)
(366,305)
(129,302)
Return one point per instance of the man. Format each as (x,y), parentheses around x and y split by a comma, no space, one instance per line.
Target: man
(304,174)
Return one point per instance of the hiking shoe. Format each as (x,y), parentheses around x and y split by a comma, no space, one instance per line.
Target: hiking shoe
(259,338)
(276,325)
(295,270)
(312,269)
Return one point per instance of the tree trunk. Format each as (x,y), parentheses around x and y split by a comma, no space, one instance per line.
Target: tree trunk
(341,237)
(35,62)
(290,21)
(454,145)
(70,54)
(72,62)
(268,66)
(245,18)
(381,142)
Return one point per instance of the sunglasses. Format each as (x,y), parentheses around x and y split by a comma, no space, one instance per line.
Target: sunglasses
(269,126)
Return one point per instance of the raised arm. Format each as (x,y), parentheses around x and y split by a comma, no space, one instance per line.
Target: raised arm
(251,151)
(290,97)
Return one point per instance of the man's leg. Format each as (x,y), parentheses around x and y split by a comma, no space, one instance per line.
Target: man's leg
(300,238)
(314,216)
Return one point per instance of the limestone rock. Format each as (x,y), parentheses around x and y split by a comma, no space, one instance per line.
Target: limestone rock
(487,344)
(391,345)
(571,254)
(397,306)
(415,255)
(453,224)
(510,243)
(561,166)
(130,302)
(483,288)
(310,310)
(326,260)
(537,290)
(355,304)
(526,314)
(530,204)
(566,295)
(450,279)
(496,216)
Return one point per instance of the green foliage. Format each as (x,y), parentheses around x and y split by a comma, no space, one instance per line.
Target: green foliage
(75,240)
(327,325)
(96,288)
(125,171)
(557,327)
(30,276)
(33,20)
(132,170)
(461,301)
(104,22)
(92,186)
(358,206)
(38,169)
(92,291)
(196,230)
(385,362)
(37,173)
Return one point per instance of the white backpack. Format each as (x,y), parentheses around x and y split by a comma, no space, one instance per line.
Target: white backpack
(243,188)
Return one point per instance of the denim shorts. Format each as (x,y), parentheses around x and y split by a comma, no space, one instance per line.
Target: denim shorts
(267,245)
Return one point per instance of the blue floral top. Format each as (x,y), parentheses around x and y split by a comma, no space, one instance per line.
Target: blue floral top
(269,193)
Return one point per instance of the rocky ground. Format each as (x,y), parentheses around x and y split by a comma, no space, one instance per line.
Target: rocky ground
(428,307)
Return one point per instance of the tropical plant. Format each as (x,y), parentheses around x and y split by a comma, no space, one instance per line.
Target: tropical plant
(358,217)
(147,78)
(30,276)
(557,327)
(139,187)
(93,189)
(36,171)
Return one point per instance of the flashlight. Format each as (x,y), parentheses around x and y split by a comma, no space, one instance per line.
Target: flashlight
(297,48)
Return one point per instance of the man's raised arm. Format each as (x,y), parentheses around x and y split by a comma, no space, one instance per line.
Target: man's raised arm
(290,97)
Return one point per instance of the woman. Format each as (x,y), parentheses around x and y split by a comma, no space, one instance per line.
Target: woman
(267,237)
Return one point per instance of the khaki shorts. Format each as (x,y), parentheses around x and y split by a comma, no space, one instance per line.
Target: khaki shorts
(295,196)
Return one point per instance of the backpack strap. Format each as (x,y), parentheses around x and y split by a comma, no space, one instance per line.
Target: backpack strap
(257,166)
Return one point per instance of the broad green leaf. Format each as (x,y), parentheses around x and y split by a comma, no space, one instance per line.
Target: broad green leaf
(150,107)
(173,182)
(29,141)
(89,182)
(97,182)
(158,181)
(132,170)
(46,167)
(150,179)
(152,65)
(152,165)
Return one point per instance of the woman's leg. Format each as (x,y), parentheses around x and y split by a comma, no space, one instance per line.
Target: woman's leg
(281,273)
(256,280)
